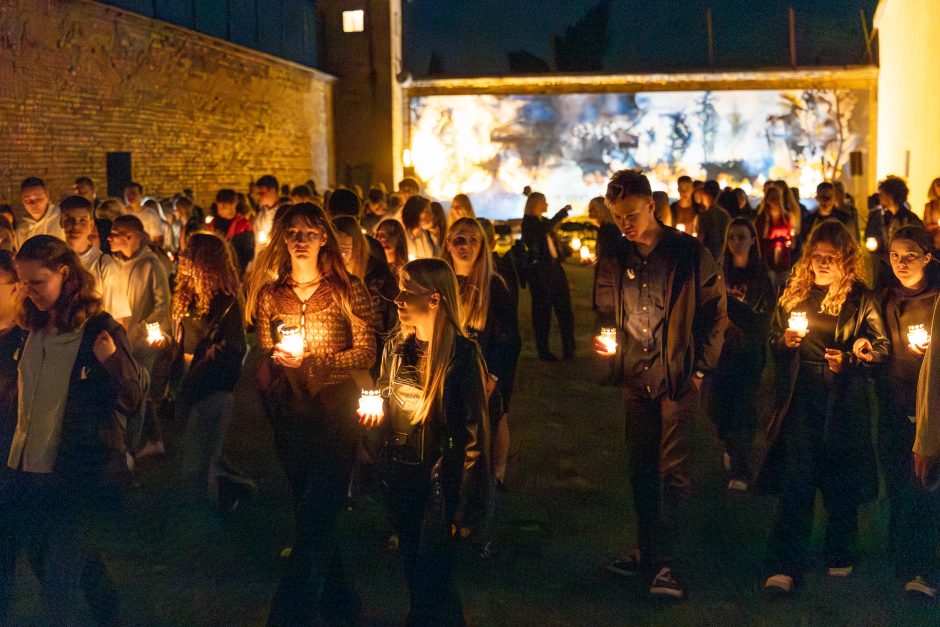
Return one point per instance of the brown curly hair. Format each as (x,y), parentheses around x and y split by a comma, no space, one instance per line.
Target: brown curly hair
(849,261)
(206,268)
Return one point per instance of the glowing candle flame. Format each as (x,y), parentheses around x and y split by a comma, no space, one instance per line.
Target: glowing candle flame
(871,244)
(608,338)
(370,403)
(680,227)
(586,255)
(575,243)
(292,342)
(917,335)
(262,237)
(798,322)
(208,219)
(154,333)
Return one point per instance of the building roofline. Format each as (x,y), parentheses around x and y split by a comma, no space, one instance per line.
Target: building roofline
(844,77)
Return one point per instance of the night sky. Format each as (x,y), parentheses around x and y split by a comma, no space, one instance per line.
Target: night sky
(472,38)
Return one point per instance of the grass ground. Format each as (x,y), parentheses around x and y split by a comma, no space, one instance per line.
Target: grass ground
(178,563)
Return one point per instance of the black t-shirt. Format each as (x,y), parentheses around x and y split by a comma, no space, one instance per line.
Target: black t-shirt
(904,308)
(822,327)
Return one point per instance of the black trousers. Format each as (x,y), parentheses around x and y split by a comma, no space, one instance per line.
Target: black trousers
(315,440)
(46,520)
(659,439)
(550,292)
(915,511)
(732,392)
(810,464)
(416,505)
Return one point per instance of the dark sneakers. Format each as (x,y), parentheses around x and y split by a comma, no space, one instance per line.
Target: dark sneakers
(666,586)
(627,566)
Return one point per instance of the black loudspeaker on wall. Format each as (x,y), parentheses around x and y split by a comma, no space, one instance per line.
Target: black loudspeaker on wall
(855,163)
(119,173)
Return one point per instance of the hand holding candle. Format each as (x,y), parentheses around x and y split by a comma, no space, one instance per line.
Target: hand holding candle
(371,409)
(154,334)
(290,350)
(918,339)
(605,344)
(797,327)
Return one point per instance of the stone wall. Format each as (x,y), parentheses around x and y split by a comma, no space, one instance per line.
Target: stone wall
(79,79)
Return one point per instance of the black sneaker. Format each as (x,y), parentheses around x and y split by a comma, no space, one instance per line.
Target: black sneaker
(627,566)
(665,585)
(918,588)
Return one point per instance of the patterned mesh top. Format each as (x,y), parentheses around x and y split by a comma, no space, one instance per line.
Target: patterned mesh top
(333,346)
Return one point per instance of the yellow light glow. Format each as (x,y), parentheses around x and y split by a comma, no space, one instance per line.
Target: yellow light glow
(354,21)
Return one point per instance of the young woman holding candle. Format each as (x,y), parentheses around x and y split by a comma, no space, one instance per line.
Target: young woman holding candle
(391,235)
(777,228)
(820,435)
(208,318)
(490,318)
(310,396)
(67,463)
(735,383)
(436,435)
(908,305)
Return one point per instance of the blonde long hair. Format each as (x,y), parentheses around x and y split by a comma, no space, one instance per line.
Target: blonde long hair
(475,293)
(798,287)
(427,277)
(272,267)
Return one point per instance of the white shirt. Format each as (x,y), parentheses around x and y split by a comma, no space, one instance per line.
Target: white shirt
(108,279)
(144,281)
(153,223)
(44,374)
(263,225)
(420,247)
(48,224)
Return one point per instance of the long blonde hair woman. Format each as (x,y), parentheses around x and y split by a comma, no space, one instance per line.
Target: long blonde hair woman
(460,207)
(434,459)
(466,242)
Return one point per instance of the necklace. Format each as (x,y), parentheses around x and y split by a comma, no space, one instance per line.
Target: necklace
(295,283)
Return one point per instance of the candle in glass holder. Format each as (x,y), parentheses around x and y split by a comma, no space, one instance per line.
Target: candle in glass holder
(208,219)
(292,341)
(370,403)
(917,335)
(680,227)
(586,255)
(154,333)
(798,322)
(871,244)
(262,237)
(575,243)
(608,338)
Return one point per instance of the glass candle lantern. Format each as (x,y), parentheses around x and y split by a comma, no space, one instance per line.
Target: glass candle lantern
(798,322)
(292,342)
(370,403)
(263,237)
(154,333)
(871,244)
(608,338)
(917,335)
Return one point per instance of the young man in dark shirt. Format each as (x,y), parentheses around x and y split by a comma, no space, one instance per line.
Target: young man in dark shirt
(666,297)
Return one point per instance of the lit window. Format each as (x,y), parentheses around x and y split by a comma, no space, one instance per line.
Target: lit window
(354,21)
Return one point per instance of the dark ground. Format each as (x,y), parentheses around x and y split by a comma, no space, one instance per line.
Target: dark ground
(177,562)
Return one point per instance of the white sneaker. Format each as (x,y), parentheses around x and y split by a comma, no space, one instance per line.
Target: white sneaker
(779,585)
(738,485)
(840,571)
(919,588)
(726,461)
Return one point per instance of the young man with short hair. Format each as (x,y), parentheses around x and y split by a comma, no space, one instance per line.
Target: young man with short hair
(153,223)
(884,222)
(268,201)
(79,225)
(713,221)
(408,187)
(85,188)
(41,217)
(666,297)
(234,227)
(145,282)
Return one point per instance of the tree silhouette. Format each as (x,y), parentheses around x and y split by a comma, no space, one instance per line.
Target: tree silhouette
(584,44)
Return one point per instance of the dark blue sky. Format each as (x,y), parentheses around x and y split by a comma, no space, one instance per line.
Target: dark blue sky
(475,37)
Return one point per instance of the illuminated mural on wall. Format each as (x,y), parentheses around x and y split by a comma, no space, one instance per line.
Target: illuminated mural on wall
(566,145)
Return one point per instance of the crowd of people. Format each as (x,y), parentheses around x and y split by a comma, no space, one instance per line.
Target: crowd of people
(381,331)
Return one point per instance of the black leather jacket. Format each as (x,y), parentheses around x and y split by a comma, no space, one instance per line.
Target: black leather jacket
(454,442)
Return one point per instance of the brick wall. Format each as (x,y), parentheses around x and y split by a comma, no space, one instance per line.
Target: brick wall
(80,79)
